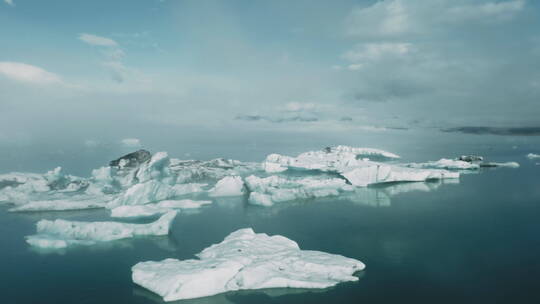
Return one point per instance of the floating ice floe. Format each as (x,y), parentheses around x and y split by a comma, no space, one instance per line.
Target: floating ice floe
(266,191)
(62,233)
(449,164)
(73,203)
(228,186)
(197,171)
(157,208)
(494,164)
(245,260)
(533,156)
(331,159)
(369,173)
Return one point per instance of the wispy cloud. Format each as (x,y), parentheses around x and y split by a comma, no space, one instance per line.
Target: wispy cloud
(27,73)
(97,40)
(131,142)
(9,2)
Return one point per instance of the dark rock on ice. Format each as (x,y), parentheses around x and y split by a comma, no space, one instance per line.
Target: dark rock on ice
(131,160)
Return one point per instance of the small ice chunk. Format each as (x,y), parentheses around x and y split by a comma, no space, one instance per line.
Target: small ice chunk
(61,233)
(228,186)
(494,164)
(153,209)
(245,260)
(533,156)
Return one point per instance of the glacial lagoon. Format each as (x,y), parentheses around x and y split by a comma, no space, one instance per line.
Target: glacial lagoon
(471,240)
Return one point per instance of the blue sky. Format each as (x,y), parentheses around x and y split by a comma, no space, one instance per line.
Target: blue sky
(103,71)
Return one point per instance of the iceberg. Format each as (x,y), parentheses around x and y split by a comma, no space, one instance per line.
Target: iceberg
(153,191)
(494,164)
(370,173)
(74,203)
(158,208)
(228,186)
(266,191)
(448,164)
(197,171)
(61,233)
(533,156)
(331,159)
(245,260)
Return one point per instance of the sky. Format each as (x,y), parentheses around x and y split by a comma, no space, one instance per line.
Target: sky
(170,73)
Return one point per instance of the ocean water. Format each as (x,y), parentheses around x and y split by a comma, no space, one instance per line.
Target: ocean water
(476,241)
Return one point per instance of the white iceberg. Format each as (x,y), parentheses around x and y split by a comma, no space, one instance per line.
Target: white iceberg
(158,208)
(228,186)
(332,159)
(73,203)
(533,156)
(62,233)
(245,260)
(266,191)
(154,191)
(197,171)
(444,163)
(494,164)
(370,173)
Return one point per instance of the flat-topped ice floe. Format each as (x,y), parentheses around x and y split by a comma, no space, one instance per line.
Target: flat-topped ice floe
(62,233)
(533,156)
(245,260)
(449,164)
(74,203)
(158,208)
(369,173)
(331,159)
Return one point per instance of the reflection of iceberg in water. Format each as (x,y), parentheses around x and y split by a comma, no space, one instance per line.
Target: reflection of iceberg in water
(381,195)
(230,297)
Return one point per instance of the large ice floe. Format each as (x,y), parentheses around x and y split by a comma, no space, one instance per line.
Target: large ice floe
(62,233)
(157,208)
(266,191)
(245,260)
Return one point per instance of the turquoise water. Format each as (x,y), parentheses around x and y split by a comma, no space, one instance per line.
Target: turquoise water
(477,241)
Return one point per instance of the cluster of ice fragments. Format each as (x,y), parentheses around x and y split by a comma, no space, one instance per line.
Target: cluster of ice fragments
(142,185)
(245,260)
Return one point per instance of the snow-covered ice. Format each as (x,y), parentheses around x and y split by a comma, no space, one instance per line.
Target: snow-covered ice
(332,159)
(268,190)
(74,203)
(157,208)
(228,186)
(533,156)
(369,173)
(245,260)
(61,233)
(445,163)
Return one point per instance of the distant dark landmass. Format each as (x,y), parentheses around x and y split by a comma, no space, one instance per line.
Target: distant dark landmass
(521,131)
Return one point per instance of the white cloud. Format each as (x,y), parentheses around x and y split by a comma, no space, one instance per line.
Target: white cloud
(490,11)
(131,142)
(97,40)
(299,106)
(382,18)
(364,52)
(9,2)
(396,18)
(28,73)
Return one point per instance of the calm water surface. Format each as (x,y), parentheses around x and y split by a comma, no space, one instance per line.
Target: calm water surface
(477,241)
